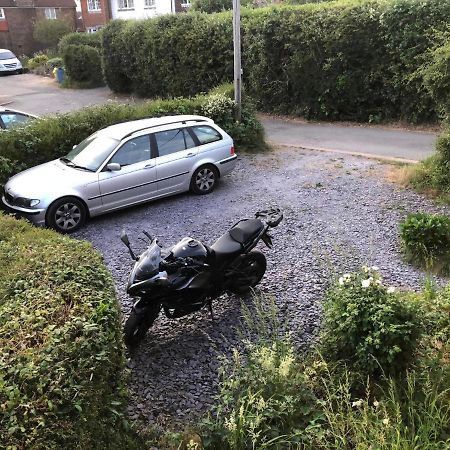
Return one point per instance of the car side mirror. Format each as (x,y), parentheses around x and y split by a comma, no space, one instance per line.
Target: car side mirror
(113,167)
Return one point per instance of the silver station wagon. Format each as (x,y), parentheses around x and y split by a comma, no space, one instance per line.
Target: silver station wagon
(120,166)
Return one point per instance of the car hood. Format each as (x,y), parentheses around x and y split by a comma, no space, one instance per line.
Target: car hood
(10,61)
(52,177)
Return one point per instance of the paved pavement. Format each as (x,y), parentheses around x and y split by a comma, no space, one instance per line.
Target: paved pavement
(41,95)
(375,141)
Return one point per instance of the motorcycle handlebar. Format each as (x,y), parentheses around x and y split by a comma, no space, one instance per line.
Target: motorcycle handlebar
(271,216)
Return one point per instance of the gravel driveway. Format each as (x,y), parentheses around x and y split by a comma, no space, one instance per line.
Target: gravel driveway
(339,213)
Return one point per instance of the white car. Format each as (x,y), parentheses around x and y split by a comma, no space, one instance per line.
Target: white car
(123,165)
(9,62)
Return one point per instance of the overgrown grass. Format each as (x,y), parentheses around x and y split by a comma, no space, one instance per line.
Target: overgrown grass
(270,397)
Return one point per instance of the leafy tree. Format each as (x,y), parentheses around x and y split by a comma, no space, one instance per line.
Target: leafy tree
(49,32)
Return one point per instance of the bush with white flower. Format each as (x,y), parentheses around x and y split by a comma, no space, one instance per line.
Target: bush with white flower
(368,325)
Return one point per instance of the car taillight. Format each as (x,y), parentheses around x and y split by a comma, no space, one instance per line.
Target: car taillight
(232,151)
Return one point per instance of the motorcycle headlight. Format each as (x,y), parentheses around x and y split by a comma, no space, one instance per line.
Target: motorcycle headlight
(26,202)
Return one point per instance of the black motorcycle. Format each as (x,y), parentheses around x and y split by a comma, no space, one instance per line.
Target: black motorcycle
(188,276)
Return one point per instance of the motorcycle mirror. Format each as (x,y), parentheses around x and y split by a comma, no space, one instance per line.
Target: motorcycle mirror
(124,238)
(148,235)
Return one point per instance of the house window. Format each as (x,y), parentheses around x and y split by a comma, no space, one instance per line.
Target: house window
(126,4)
(93,29)
(149,3)
(94,5)
(2,14)
(50,13)
(185,3)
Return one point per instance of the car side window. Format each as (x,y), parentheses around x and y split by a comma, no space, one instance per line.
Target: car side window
(133,151)
(206,134)
(11,119)
(172,141)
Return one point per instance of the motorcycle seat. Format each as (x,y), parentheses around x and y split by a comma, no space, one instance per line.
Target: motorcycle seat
(230,244)
(245,230)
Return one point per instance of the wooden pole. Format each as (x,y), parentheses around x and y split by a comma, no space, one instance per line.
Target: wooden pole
(237,57)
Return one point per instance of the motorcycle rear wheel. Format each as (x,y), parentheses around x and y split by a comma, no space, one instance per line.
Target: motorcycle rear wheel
(138,324)
(248,272)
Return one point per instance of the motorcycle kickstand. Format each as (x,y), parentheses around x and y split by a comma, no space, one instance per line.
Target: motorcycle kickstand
(210,309)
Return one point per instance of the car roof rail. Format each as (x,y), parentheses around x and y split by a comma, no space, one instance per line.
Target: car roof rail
(164,124)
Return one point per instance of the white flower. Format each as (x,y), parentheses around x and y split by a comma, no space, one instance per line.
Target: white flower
(378,281)
(386,421)
(365,269)
(391,290)
(376,404)
(358,403)
(375,268)
(341,281)
(366,283)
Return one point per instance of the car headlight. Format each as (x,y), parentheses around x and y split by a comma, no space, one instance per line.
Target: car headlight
(26,202)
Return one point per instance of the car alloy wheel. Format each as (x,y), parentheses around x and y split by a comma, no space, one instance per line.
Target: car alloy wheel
(67,215)
(204,180)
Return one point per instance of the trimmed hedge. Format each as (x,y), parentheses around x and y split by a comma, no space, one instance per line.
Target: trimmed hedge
(61,353)
(52,137)
(91,39)
(83,64)
(348,59)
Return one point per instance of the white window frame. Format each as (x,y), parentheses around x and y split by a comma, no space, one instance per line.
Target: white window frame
(186,3)
(2,14)
(94,5)
(50,13)
(149,4)
(125,5)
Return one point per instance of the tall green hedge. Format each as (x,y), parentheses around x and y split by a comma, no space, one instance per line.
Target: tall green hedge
(61,352)
(348,59)
(54,136)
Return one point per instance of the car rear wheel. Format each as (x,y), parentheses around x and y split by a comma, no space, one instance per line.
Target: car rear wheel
(204,180)
(66,215)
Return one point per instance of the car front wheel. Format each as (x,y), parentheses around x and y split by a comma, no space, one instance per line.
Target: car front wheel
(66,215)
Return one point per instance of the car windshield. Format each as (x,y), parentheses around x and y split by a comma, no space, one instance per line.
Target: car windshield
(7,55)
(92,152)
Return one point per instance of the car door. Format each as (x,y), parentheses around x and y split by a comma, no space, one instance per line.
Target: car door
(136,179)
(176,151)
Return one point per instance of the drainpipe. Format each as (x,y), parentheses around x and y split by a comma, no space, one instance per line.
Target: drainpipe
(172,7)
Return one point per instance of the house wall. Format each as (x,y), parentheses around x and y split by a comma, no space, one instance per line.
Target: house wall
(20,22)
(95,19)
(139,11)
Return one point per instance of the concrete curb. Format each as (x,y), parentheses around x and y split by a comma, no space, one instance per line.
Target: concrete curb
(346,152)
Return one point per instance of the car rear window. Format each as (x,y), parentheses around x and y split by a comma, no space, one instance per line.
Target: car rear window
(7,55)
(206,134)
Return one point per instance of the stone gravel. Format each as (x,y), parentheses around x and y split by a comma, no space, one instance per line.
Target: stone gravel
(339,213)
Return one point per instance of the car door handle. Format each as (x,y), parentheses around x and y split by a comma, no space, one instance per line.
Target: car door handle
(149,166)
(190,155)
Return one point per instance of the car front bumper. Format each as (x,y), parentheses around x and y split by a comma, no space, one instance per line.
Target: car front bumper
(36,216)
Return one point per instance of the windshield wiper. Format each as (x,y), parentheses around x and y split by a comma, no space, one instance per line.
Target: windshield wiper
(70,163)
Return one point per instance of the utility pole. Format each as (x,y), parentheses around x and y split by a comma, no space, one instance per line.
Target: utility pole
(237,56)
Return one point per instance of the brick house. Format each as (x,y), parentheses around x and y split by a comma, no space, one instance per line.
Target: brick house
(97,13)
(17,19)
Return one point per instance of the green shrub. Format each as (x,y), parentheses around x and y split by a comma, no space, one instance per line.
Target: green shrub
(91,39)
(38,60)
(52,137)
(264,400)
(426,241)
(368,327)
(62,358)
(83,64)
(54,62)
(49,32)
(352,59)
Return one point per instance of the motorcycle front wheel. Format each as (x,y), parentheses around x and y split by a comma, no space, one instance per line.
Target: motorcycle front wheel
(248,272)
(138,323)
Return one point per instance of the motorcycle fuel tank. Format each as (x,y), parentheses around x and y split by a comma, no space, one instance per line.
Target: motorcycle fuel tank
(191,248)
